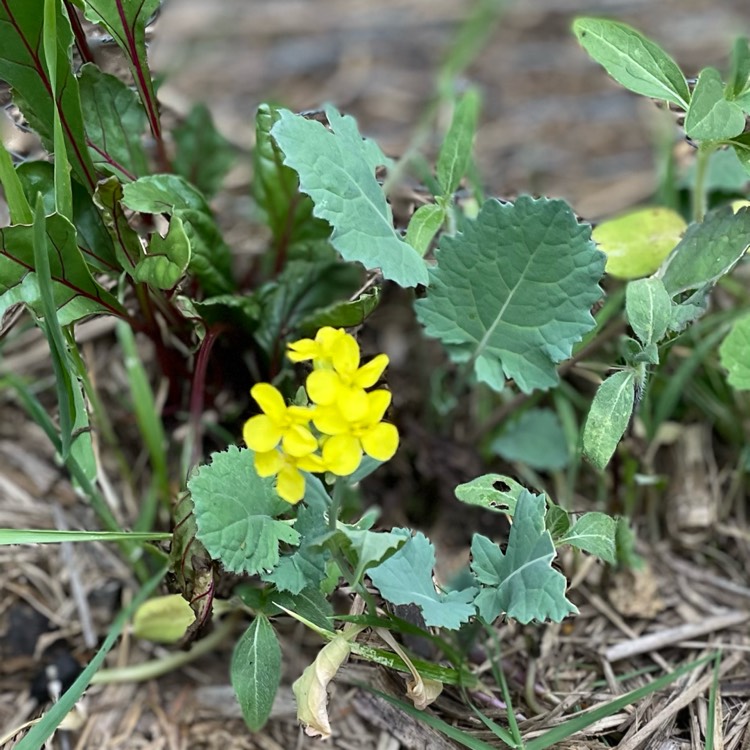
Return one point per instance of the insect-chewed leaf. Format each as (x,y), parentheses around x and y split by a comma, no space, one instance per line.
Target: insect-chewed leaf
(735,354)
(236,512)
(336,169)
(513,291)
(406,578)
(520,582)
(494,492)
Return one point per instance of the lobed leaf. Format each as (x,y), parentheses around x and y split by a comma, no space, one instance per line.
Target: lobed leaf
(609,417)
(521,582)
(336,169)
(513,291)
(236,512)
(632,60)
(406,578)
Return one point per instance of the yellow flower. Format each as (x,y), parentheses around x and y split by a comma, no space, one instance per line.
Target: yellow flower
(278,423)
(290,483)
(319,350)
(345,384)
(342,450)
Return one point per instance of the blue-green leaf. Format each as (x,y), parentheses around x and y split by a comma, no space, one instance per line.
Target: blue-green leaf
(336,169)
(406,578)
(513,291)
(536,438)
(632,60)
(520,583)
(608,417)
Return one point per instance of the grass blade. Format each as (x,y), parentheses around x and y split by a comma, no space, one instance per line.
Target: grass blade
(18,206)
(54,536)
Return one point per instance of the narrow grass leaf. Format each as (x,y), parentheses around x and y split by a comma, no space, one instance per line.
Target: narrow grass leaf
(38,734)
(18,206)
(455,152)
(52,536)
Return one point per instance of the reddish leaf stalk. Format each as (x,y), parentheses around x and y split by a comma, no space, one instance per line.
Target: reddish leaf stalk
(80,35)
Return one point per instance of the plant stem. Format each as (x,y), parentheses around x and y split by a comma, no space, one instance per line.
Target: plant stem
(701,172)
(335,507)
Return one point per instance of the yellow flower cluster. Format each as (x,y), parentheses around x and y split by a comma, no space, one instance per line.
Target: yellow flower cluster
(343,419)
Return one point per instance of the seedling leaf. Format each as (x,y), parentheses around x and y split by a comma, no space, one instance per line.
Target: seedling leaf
(649,309)
(336,169)
(456,149)
(236,512)
(735,354)
(521,582)
(710,116)
(513,291)
(608,417)
(256,671)
(406,578)
(632,60)
(594,533)
(424,225)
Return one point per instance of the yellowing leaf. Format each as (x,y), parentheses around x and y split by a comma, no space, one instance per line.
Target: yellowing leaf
(163,619)
(637,242)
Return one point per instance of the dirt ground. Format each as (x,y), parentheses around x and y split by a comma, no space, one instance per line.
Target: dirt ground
(553,124)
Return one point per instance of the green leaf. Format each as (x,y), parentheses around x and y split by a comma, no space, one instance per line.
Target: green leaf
(649,309)
(336,169)
(406,578)
(128,249)
(608,417)
(424,225)
(494,492)
(455,152)
(690,309)
(594,533)
(710,116)
(115,121)
(520,583)
(289,214)
(557,522)
(739,74)
(211,259)
(167,257)
(163,619)
(76,294)
(235,511)
(305,567)
(203,155)
(23,66)
(92,236)
(18,204)
(536,438)
(625,545)
(52,536)
(513,291)
(340,314)
(734,354)
(256,671)
(707,251)
(126,21)
(303,288)
(310,603)
(725,173)
(632,60)
(364,549)
(638,241)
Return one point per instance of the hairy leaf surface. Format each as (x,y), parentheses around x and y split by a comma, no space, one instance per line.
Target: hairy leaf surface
(513,291)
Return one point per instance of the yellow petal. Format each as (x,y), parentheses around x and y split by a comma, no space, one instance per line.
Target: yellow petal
(299,351)
(290,484)
(369,374)
(381,441)
(353,404)
(377,405)
(323,386)
(298,414)
(342,454)
(328,420)
(270,400)
(298,441)
(261,433)
(268,464)
(346,356)
(312,463)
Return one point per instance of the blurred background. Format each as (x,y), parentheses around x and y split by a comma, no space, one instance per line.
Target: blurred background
(553,122)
